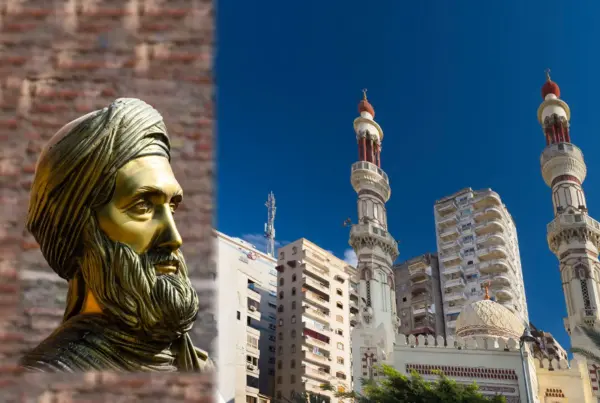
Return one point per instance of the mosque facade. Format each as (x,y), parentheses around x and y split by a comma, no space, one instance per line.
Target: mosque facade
(492,345)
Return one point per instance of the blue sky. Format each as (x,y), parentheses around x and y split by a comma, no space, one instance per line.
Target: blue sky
(455,88)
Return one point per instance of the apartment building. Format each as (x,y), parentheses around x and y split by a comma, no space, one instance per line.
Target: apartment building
(313,321)
(419,297)
(546,346)
(247,306)
(477,245)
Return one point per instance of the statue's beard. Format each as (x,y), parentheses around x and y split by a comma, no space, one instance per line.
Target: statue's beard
(126,285)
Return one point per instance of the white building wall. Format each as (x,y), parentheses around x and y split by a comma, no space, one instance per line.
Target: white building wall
(246,277)
(467,224)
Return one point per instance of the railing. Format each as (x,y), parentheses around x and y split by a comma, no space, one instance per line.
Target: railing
(560,149)
(448,205)
(449,231)
(447,257)
(323,330)
(311,296)
(453,219)
(252,293)
(359,229)
(483,238)
(316,357)
(492,249)
(488,222)
(453,269)
(364,165)
(454,282)
(488,194)
(571,220)
(316,284)
(316,312)
(502,265)
(454,296)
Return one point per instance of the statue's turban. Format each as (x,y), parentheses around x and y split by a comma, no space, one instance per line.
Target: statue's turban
(76,173)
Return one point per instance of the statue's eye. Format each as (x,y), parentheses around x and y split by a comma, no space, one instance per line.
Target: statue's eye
(174,207)
(142,207)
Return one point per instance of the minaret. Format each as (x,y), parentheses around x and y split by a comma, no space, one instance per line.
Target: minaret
(375,247)
(573,236)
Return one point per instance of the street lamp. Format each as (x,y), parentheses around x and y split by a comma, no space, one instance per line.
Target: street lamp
(527,337)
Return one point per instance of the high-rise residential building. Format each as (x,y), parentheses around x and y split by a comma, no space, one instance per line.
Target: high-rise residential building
(419,297)
(477,245)
(247,303)
(546,346)
(313,321)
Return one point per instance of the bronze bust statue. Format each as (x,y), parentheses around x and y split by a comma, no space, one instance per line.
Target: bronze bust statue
(101,208)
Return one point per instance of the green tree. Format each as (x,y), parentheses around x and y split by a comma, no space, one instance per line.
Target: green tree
(594,336)
(398,388)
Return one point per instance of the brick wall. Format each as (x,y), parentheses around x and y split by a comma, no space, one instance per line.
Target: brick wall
(58,60)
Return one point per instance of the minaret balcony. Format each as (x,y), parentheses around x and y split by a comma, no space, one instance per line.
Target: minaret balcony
(560,159)
(360,232)
(571,221)
(486,199)
(368,175)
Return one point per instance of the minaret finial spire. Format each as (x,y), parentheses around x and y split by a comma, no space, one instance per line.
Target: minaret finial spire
(486,287)
(364,93)
(547,71)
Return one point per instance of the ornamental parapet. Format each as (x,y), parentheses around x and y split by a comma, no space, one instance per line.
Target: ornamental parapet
(451,342)
(562,159)
(366,175)
(371,235)
(566,227)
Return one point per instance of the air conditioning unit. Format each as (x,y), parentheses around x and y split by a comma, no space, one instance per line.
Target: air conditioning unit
(252,308)
(251,367)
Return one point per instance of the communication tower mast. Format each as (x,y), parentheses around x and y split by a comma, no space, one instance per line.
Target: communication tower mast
(270,224)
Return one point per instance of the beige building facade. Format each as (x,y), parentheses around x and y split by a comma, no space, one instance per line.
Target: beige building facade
(418,296)
(477,245)
(313,321)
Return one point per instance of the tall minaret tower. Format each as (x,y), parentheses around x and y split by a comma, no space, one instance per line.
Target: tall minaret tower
(375,247)
(573,236)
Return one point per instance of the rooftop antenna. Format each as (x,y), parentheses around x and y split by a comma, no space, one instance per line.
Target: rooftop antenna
(270,224)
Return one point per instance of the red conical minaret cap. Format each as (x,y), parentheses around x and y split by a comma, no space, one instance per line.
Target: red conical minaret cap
(550,87)
(365,106)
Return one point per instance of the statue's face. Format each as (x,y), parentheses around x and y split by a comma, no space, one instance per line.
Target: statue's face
(140,213)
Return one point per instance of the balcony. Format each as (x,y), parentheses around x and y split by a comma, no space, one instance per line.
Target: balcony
(453,270)
(492,239)
(252,293)
(471,269)
(353,319)
(449,234)
(449,310)
(448,221)
(362,231)
(456,282)
(318,374)
(502,280)
(316,314)
(316,299)
(455,296)
(493,252)
(324,330)
(253,312)
(488,214)
(316,356)
(504,294)
(419,288)
(252,370)
(316,285)
(451,245)
(566,221)
(486,199)
(421,311)
(450,257)
(367,166)
(495,266)
(446,207)
(490,226)
(424,297)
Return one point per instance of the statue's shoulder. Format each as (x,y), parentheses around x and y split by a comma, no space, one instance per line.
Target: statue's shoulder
(207,363)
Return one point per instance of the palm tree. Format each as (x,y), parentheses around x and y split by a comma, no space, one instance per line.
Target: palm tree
(594,336)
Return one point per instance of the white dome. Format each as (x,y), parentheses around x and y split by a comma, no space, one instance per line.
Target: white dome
(488,318)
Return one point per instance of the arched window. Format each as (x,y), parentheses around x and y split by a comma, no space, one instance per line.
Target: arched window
(280,309)
(293,364)
(293,318)
(293,334)
(293,305)
(293,380)
(280,336)
(280,294)
(279,364)
(294,277)
(339,292)
(293,290)
(339,305)
(281,281)
(339,332)
(293,348)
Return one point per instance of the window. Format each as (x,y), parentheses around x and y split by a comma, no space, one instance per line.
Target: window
(280,335)
(340,375)
(279,364)
(293,364)
(293,348)
(272,305)
(280,322)
(281,255)
(293,305)
(340,360)
(293,318)
(272,338)
(340,346)
(403,299)
(293,290)
(339,318)
(279,380)
(271,372)
(252,341)
(294,250)
(281,281)
(470,262)
(280,350)
(339,292)
(292,380)
(293,277)
(272,326)
(278,394)
(281,295)
(339,305)
(293,333)
(339,332)
(280,309)
(239,315)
